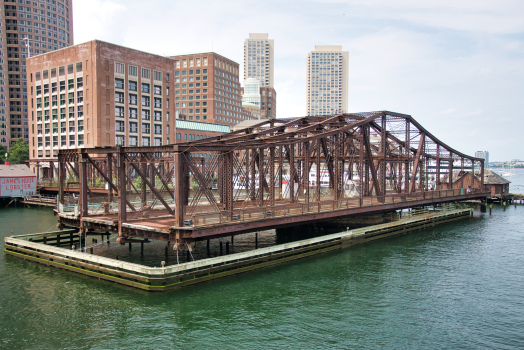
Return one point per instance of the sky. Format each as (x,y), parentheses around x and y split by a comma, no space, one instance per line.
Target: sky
(456,66)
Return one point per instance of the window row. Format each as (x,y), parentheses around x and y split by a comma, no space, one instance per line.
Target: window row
(146,127)
(145,114)
(63,140)
(47,128)
(120,140)
(62,85)
(145,73)
(145,87)
(53,114)
(61,71)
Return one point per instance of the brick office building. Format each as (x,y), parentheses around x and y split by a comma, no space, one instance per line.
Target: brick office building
(46,25)
(207,89)
(98,94)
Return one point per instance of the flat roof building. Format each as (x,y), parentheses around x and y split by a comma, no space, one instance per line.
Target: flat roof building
(42,25)
(99,94)
(485,155)
(327,80)
(207,88)
(258,58)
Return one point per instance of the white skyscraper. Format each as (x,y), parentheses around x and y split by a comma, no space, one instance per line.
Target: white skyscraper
(258,58)
(327,80)
(483,154)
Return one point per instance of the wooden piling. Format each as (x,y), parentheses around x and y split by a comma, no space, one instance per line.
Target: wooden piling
(227,248)
(256,240)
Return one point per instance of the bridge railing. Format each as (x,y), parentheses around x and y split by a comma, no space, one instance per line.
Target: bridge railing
(300,208)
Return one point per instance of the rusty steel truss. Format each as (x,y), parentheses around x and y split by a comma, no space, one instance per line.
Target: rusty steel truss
(276,173)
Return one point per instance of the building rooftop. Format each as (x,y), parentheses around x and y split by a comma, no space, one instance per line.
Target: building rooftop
(198,126)
(15,170)
(492,178)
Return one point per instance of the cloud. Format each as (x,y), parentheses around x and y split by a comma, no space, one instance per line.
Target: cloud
(455,65)
(98,19)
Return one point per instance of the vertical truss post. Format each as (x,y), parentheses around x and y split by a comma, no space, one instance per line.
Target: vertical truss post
(252,176)
(143,189)
(339,167)
(110,176)
(247,178)
(361,167)
(122,171)
(261,176)
(318,170)
(229,163)
(416,164)
(462,172)
(437,183)
(272,176)
(450,171)
(291,151)
(180,184)
(408,157)
(472,173)
(61,179)
(305,172)
(383,150)
(220,178)
(280,168)
(83,185)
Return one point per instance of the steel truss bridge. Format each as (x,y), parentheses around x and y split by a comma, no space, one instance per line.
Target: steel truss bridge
(274,174)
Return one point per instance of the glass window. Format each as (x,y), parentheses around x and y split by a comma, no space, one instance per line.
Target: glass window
(119,83)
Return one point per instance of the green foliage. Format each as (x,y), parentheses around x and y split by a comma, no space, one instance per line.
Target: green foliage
(2,154)
(19,152)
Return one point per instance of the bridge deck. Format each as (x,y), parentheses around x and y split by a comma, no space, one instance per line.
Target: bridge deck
(159,224)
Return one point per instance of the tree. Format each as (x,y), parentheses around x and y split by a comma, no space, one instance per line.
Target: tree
(19,152)
(2,154)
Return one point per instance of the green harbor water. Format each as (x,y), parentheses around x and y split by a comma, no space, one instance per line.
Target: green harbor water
(454,286)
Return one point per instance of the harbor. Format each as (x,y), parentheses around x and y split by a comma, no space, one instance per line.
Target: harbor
(435,275)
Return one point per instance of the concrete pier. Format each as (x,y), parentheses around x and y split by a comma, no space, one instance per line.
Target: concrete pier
(165,278)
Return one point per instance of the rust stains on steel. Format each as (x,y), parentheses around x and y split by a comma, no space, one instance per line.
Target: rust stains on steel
(276,173)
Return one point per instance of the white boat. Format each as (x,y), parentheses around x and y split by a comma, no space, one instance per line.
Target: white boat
(510,173)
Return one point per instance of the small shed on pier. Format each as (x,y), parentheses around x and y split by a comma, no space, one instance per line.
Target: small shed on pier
(16,180)
(496,184)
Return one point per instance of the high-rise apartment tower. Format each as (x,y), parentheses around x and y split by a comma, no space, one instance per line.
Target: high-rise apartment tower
(258,58)
(327,80)
(43,25)
(485,155)
(258,64)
